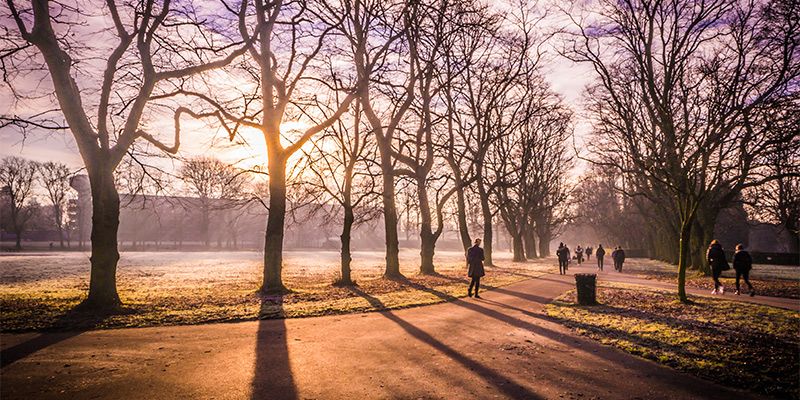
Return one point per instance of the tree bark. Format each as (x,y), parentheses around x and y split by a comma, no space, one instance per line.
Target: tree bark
(518,247)
(529,240)
(389,213)
(426,235)
(461,212)
(683,259)
(105,225)
(486,210)
(346,258)
(273,239)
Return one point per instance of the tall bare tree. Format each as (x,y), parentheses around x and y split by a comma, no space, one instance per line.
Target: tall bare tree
(17,176)
(55,179)
(142,47)
(678,82)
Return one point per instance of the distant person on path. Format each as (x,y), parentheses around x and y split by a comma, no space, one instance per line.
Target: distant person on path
(563,258)
(475,268)
(743,263)
(601,252)
(615,258)
(718,262)
(588,253)
(620,258)
(579,254)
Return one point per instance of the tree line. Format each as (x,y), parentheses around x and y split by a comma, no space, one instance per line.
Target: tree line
(446,99)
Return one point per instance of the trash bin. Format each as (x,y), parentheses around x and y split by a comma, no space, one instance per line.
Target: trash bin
(587,289)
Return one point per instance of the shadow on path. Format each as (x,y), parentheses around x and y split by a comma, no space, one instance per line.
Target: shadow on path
(272,377)
(510,388)
(85,319)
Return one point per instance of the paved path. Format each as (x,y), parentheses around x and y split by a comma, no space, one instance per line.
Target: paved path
(499,347)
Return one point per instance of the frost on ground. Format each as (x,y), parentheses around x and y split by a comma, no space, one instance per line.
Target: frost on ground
(39,290)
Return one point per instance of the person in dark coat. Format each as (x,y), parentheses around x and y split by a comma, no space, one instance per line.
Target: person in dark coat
(475,268)
(716,259)
(599,254)
(588,252)
(579,254)
(615,258)
(620,258)
(742,264)
(563,258)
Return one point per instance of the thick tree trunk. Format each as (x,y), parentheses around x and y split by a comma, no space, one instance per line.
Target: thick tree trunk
(517,246)
(530,243)
(390,214)
(105,225)
(346,258)
(426,236)
(544,243)
(273,239)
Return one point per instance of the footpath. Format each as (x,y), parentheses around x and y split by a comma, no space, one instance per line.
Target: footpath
(500,347)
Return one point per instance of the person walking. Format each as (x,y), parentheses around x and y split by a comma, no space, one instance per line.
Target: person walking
(588,252)
(475,268)
(742,264)
(620,258)
(615,258)
(579,254)
(563,258)
(599,254)
(716,259)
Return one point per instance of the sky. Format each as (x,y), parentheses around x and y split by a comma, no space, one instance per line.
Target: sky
(566,78)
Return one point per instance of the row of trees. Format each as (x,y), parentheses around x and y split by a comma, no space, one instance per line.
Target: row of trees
(695,107)
(444,94)
(18,181)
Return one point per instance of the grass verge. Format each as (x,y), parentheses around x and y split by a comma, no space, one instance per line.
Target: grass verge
(172,295)
(742,345)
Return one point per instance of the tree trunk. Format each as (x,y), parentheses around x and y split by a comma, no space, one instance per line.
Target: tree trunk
(347,228)
(486,210)
(390,214)
(461,212)
(683,258)
(426,236)
(273,239)
(530,242)
(105,225)
(518,247)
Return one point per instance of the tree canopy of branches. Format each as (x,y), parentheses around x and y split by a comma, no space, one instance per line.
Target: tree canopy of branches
(105,80)
(679,87)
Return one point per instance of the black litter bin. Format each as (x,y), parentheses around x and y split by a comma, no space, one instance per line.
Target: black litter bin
(587,289)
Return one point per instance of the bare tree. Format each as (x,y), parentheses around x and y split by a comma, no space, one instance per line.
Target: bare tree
(55,179)
(677,83)
(143,47)
(342,168)
(17,176)
(216,185)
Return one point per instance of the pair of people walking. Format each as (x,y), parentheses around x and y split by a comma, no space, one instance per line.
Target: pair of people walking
(742,264)
(618,255)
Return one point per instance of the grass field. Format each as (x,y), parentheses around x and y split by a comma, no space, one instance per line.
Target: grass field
(39,290)
(749,346)
(768,280)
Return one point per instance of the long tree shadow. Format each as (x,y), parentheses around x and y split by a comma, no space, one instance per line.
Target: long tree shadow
(510,388)
(272,377)
(78,319)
